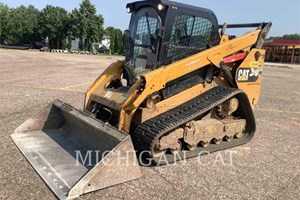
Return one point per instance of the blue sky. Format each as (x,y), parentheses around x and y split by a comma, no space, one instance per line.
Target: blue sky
(285,15)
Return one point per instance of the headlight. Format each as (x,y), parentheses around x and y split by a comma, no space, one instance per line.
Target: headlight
(160,7)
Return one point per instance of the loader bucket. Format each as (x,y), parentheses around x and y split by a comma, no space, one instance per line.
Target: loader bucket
(75,153)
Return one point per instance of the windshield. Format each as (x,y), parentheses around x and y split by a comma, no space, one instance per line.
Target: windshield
(144,29)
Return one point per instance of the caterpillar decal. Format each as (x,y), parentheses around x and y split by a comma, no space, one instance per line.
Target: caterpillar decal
(249,74)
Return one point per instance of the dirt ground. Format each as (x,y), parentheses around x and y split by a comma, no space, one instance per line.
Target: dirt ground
(265,168)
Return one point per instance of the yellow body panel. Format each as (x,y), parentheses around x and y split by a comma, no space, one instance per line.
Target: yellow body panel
(128,103)
(99,85)
(157,79)
(178,99)
(251,69)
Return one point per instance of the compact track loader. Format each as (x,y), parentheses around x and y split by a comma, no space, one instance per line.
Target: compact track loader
(185,87)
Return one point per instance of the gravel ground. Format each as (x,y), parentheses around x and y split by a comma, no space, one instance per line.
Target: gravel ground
(265,168)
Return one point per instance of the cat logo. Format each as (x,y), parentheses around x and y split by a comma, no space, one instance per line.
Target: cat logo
(243,74)
(249,74)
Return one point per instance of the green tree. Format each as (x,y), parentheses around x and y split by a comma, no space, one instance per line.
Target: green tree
(4,12)
(292,36)
(87,25)
(22,25)
(110,31)
(54,23)
(116,39)
(295,36)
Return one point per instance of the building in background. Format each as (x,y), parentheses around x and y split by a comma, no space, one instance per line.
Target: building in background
(103,46)
(75,44)
(106,41)
(282,51)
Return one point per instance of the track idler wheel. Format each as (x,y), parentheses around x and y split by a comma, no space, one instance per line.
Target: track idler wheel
(204,143)
(156,152)
(228,138)
(240,135)
(178,149)
(191,147)
(217,141)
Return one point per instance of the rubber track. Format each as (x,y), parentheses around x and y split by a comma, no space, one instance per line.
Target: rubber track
(147,133)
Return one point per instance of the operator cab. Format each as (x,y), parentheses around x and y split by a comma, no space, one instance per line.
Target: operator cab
(162,32)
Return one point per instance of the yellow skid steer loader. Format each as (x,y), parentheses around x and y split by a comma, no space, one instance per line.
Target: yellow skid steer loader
(185,87)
